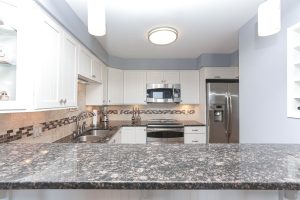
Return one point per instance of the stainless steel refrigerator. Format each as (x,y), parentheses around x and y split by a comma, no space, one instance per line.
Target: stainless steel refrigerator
(222,105)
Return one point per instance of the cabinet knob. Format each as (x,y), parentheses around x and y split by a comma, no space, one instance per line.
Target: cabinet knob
(61,101)
(94,76)
(65,101)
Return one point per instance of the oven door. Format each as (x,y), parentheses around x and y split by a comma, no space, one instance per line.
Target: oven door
(165,135)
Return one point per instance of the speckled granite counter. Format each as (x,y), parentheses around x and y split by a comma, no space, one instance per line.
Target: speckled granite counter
(102,166)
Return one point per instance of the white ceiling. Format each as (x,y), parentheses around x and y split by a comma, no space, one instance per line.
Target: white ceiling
(204,26)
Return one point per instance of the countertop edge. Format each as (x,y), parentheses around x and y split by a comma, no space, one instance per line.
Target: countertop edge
(150,185)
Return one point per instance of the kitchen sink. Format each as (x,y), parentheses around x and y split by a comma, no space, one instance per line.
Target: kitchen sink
(89,139)
(97,132)
(93,136)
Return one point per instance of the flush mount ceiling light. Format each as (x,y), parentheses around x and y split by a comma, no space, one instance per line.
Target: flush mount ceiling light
(162,35)
(96,17)
(269,17)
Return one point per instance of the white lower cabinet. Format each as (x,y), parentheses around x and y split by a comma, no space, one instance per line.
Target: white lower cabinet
(133,135)
(116,139)
(195,135)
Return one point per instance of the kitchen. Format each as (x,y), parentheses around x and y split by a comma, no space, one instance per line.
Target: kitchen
(49,98)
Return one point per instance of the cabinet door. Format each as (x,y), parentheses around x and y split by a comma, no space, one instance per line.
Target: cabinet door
(14,49)
(104,84)
(221,72)
(140,135)
(96,94)
(171,77)
(48,70)
(128,135)
(85,63)
(68,74)
(189,81)
(134,87)
(96,70)
(115,86)
(155,77)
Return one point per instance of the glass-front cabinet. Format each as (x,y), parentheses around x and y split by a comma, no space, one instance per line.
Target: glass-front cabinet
(9,68)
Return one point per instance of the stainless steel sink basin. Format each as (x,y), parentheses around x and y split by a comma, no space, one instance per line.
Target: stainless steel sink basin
(100,133)
(89,139)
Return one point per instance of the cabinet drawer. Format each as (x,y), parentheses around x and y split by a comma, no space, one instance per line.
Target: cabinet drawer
(195,129)
(192,138)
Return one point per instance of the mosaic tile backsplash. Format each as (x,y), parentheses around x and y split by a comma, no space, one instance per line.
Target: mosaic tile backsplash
(156,111)
(19,126)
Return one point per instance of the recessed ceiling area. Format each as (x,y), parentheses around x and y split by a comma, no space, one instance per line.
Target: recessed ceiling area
(204,26)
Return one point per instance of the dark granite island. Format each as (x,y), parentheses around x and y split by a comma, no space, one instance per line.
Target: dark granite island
(176,167)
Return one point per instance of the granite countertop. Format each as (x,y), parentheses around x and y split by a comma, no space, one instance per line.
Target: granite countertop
(102,166)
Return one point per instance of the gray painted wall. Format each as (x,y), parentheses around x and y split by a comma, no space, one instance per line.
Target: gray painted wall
(218,60)
(61,11)
(263,87)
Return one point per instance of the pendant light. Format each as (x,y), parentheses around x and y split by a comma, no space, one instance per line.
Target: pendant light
(269,17)
(96,17)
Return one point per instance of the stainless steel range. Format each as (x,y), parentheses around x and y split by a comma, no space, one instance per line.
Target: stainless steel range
(165,131)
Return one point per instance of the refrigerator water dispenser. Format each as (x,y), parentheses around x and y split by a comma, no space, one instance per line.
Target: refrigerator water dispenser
(218,113)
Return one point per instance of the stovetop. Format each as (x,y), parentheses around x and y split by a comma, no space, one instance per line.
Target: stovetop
(163,122)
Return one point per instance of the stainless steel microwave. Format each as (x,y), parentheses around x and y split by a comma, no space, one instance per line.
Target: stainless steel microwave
(163,93)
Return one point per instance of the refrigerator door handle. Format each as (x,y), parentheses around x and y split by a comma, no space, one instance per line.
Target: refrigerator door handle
(230,116)
(227,110)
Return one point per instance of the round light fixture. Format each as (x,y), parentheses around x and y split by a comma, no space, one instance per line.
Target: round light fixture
(162,35)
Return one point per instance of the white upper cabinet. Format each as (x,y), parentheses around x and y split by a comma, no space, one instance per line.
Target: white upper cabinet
(189,81)
(134,87)
(160,76)
(96,94)
(15,50)
(47,82)
(97,70)
(90,67)
(68,71)
(171,77)
(115,86)
(155,77)
(221,72)
(85,63)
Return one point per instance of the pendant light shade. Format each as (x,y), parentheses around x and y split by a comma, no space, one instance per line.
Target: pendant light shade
(269,17)
(96,17)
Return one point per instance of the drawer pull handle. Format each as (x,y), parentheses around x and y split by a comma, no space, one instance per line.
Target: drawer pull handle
(195,130)
(195,141)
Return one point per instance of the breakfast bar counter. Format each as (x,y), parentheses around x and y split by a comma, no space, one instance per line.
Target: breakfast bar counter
(120,166)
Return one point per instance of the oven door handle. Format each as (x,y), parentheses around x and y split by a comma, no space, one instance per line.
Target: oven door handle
(152,130)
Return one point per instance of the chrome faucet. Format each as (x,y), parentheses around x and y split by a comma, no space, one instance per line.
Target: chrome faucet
(80,129)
